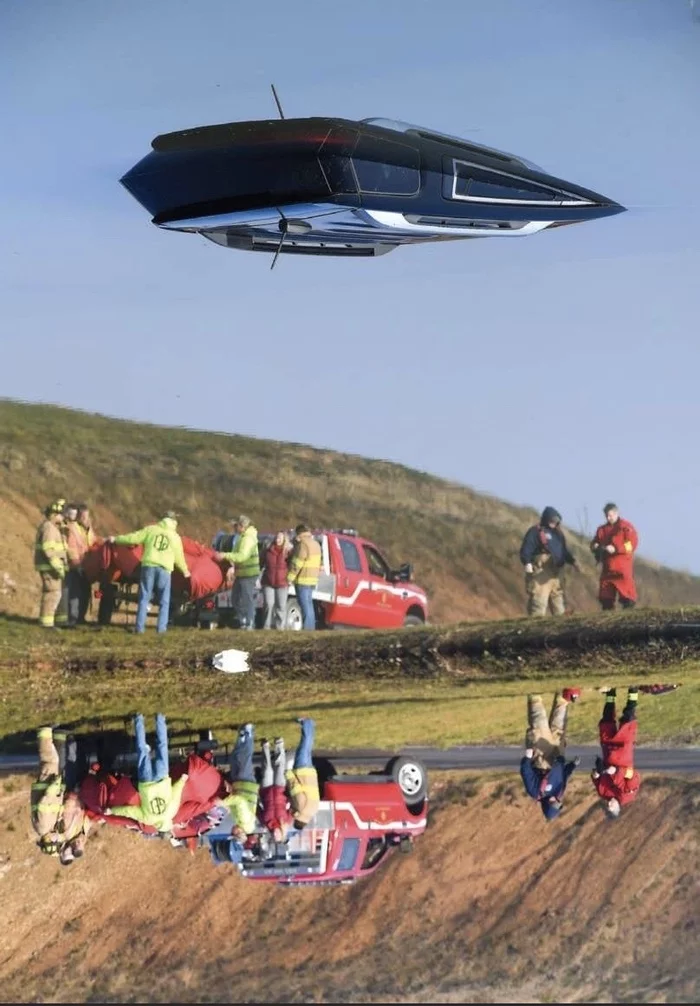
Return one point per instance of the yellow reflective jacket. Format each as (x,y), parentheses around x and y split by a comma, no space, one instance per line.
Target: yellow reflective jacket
(245,556)
(305,563)
(160,802)
(304,795)
(50,554)
(162,545)
(242,804)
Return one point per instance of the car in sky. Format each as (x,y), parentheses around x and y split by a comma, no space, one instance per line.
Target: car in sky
(333,186)
(361,821)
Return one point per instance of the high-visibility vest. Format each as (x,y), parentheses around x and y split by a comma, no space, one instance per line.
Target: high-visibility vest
(305,563)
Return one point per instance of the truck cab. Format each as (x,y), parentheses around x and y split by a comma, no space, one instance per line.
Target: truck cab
(358,588)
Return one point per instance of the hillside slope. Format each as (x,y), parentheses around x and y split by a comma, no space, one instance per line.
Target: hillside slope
(464,545)
(494,905)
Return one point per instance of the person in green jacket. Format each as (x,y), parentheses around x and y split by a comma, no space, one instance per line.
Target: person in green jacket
(242,800)
(160,797)
(246,560)
(162,551)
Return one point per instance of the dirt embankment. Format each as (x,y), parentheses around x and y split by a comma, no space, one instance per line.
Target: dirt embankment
(495,905)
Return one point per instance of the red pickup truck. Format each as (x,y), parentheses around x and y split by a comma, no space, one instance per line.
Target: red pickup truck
(361,821)
(358,588)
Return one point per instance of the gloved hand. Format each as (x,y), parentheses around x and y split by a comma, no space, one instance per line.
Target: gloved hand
(611,549)
(529,752)
(529,568)
(611,770)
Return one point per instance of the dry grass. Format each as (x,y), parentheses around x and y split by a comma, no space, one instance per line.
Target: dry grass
(464,545)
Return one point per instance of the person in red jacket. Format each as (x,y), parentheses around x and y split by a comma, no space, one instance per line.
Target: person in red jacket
(614,775)
(614,546)
(274,581)
(276,814)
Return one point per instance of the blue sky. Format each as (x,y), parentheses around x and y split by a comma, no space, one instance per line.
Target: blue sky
(557,369)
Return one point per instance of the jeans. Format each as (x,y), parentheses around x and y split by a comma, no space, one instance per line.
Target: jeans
(244,595)
(242,756)
(302,756)
(147,771)
(307,606)
(275,607)
(154,579)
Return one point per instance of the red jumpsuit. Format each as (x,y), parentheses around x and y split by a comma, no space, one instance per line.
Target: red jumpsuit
(616,575)
(618,750)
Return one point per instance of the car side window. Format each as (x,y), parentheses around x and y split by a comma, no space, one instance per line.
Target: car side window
(377,566)
(351,556)
(348,857)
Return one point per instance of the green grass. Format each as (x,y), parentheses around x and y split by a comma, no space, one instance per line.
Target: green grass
(103,677)
(464,545)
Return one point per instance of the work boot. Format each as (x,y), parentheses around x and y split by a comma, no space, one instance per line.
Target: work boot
(610,693)
(633,693)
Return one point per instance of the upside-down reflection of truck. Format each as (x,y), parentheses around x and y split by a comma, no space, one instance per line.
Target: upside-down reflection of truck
(361,821)
(357,588)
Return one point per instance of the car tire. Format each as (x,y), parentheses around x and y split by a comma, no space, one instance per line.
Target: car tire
(413,620)
(411,776)
(294,619)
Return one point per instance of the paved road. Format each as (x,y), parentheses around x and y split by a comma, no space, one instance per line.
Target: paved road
(675,760)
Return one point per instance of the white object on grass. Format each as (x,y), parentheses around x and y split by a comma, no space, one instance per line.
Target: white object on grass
(231,661)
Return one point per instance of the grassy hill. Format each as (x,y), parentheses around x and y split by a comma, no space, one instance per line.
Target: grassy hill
(464,544)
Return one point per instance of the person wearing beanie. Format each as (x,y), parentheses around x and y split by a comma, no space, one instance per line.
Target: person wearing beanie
(614,776)
(613,546)
(543,768)
(543,554)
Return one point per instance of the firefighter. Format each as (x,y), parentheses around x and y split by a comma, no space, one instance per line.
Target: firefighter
(614,776)
(51,562)
(57,814)
(614,546)
(162,551)
(544,553)
(302,777)
(79,537)
(304,571)
(246,560)
(543,769)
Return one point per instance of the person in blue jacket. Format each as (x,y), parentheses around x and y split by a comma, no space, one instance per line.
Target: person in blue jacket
(544,553)
(543,768)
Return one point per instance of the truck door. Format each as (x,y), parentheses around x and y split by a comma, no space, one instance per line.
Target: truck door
(383,600)
(351,582)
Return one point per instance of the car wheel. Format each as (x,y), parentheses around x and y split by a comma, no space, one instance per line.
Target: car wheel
(411,777)
(294,618)
(413,620)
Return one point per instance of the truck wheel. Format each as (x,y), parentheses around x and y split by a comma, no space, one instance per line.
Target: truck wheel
(411,776)
(413,620)
(294,619)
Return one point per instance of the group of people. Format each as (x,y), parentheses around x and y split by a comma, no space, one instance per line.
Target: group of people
(545,771)
(66,533)
(178,802)
(281,566)
(544,554)
(62,539)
